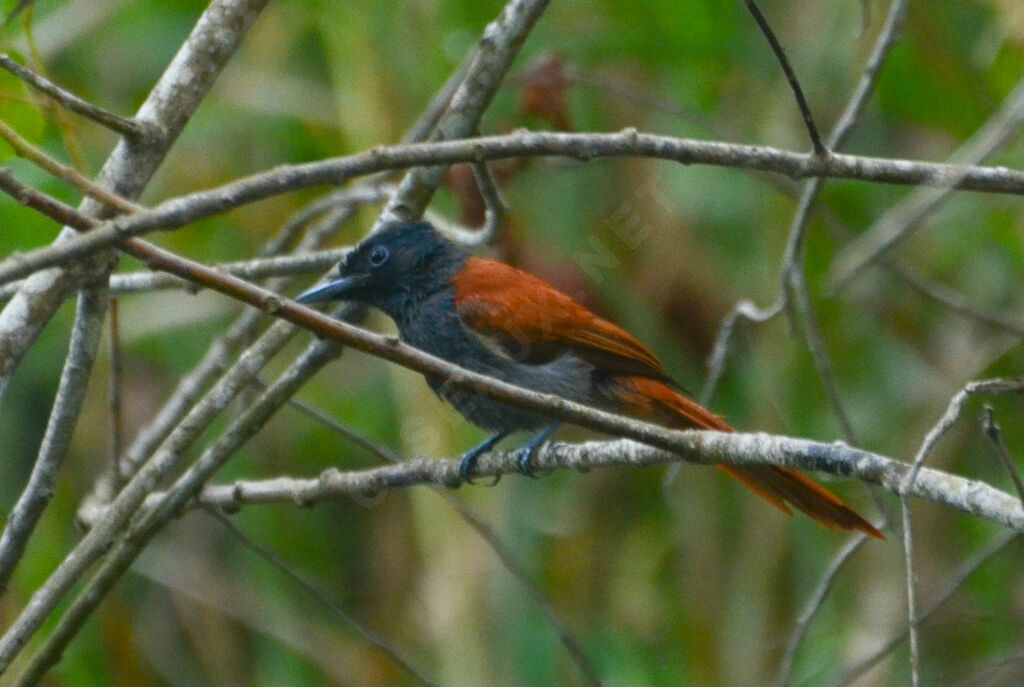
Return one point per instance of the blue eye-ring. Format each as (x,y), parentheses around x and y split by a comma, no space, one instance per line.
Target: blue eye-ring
(379,256)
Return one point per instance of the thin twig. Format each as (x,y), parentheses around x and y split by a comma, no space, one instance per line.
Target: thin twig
(994,433)
(949,418)
(911,587)
(64,172)
(568,638)
(258,269)
(787,69)
(951,299)
(803,622)
(380,452)
(952,414)
(969,568)
(900,221)
(114,389)
(890,34)
(494,212)
(572,644)
(125,126)
(320,596)
(814,604)
(67,406)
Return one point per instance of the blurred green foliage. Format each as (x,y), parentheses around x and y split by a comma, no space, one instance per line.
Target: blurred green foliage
(693,583)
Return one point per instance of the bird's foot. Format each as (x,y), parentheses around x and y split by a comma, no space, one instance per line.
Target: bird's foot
(469,458)
(524,456)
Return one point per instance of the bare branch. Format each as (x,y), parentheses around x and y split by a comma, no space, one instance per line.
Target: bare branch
(890,34)
(911,584)
(65,173)
(132,163)
(969,568)
(67,405)
(803,622)
(901,220)
(697,446)
(949,418)
(257,269)
(125,126)
(794,84)
(994,433)
(178,212)
(951,299)
(953,411)
(321,597)
(495,51)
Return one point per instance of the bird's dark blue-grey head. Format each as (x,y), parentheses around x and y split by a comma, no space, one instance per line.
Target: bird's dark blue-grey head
(393,269)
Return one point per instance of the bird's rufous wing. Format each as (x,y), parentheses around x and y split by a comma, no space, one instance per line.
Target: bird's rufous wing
(527,319)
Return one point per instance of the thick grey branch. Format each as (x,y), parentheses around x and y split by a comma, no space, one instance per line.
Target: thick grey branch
(495,51)
(952,491)
(133,162)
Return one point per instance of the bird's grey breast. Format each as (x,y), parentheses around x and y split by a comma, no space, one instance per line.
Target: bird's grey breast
(435,327)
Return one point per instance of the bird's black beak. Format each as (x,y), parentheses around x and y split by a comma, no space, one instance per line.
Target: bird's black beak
(331,291)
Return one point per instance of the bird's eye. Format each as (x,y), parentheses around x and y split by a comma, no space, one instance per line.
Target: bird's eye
(379,256)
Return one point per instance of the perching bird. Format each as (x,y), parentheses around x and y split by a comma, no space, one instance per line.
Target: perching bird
(494,319)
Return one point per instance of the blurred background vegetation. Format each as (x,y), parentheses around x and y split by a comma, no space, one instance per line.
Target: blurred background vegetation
(695,582)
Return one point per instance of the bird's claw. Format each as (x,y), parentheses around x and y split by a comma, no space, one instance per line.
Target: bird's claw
(524,460)
(466,465)
(469,458)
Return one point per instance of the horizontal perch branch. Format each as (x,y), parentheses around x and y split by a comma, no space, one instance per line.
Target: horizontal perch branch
(180,211)
(968,496)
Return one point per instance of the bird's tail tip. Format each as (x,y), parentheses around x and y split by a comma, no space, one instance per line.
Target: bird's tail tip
(783,487)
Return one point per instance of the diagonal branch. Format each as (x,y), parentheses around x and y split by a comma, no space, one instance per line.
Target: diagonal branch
(900,221)
(67,406)
(787,69)
(131,128)
(497,48)
(132,163)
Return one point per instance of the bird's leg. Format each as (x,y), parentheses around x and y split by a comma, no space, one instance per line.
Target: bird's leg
(525,454)
(468,461)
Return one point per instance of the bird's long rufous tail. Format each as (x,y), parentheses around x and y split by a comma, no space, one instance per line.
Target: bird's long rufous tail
(649,399)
